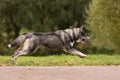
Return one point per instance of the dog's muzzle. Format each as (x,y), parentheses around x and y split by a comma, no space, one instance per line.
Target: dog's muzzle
(85,39)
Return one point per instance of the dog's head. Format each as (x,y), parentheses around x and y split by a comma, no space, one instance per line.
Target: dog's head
(83,37)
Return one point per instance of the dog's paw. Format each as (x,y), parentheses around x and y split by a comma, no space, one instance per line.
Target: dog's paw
(82,56)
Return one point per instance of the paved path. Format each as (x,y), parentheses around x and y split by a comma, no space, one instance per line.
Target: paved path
(60,73)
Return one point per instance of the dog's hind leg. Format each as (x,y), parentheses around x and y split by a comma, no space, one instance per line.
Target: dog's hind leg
(28,47)
(75,52)
(22,52)
(17,51)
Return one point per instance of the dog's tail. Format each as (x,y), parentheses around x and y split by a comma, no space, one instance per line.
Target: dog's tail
(20,39)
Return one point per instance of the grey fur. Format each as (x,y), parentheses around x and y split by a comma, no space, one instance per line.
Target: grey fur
(60,39)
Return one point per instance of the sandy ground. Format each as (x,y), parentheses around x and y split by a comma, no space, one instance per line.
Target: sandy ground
(60,73)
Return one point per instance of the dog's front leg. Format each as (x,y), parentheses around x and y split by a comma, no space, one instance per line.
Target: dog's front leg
(75,52)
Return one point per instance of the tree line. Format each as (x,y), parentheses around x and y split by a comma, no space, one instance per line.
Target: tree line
(104,23)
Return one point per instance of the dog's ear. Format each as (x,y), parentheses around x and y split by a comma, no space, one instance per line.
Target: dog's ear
(82,28)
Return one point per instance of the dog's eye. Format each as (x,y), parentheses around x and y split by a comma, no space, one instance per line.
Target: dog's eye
(82,33)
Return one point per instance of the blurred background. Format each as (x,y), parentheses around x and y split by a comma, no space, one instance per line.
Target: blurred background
(100,17)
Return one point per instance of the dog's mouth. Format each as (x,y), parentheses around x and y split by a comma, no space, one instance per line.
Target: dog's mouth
(85,39)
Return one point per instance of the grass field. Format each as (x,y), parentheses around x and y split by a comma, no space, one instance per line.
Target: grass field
(62,60)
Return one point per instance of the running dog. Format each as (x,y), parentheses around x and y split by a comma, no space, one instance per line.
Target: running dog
(60,39)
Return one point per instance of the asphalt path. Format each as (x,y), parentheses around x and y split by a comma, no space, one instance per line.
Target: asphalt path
(60,73)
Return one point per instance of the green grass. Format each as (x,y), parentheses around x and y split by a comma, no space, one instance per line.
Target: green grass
(62,60)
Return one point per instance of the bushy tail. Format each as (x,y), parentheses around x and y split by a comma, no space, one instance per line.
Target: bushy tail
(20,39)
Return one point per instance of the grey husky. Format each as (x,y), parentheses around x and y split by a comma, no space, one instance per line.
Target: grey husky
(60,39)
